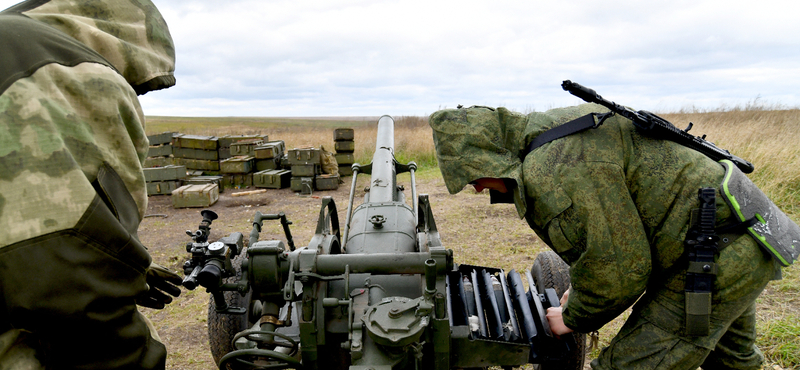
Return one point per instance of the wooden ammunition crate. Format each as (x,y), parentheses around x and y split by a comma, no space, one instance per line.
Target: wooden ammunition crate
(270,150)
(326,182)
(159,139)
(159,162)
(303,185)
(237,180)
(198,164)
(344,146)
(164,173)
(245,147)
(192,153)
(195,196)
(162,187)
(305,170)
(343,134)
(199,180)
(344,158)
(267,164)
(195,142)
(304,156)
(272,179)
(345,170)
(159,150)
(227,140)
(238,164)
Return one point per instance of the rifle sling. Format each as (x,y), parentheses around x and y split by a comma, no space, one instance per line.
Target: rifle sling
(572,127)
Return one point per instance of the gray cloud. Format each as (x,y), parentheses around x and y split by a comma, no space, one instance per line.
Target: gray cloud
(314,58)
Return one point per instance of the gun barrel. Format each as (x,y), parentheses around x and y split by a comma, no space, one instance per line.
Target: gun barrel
(384,177)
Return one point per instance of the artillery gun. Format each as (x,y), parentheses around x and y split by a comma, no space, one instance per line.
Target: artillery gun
(383,293)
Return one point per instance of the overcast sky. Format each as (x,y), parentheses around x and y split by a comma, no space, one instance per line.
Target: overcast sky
(368,58)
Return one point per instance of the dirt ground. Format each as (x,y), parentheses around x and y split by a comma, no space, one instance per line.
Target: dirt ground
(183,324)
(478,233)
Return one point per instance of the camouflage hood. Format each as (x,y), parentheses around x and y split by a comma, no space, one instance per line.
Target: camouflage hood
(131,34)
(477,142)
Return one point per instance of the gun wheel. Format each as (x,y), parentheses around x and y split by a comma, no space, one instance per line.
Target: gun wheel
(223,327)
(550,271)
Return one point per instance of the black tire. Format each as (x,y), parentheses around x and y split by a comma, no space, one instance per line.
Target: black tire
(550,271)
(223,327)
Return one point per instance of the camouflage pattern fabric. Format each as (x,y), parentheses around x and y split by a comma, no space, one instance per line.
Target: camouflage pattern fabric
(615,205)
(72,191)
(329,164)
(131,34)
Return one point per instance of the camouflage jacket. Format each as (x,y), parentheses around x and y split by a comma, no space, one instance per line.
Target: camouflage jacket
(72,191)
(614,204)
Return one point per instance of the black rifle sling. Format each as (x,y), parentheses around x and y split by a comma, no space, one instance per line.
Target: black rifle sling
(572,127)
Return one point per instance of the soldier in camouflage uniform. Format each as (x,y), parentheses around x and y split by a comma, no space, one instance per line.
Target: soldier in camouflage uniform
(72,191)
(615,205)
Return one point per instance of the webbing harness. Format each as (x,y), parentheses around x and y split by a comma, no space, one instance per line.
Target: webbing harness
(701,243)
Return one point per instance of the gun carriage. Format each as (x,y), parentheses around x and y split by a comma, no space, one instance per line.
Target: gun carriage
(380,293)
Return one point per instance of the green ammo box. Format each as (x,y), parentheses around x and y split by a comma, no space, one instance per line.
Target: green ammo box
(326,182)
(238,164)
(162,187)
(344,146)
(343,134)
(270,150)
(195,142)
(344,158)
(159,151)
(159,162)
(304,156)
(303,185)
(345,170)
(305,170)
(199,180)
(227,140)
(245,147)
(203,195)
(164,173)
(198,164)
(272,179)
(237,180)
(192,153)
(159,139)
(267,164)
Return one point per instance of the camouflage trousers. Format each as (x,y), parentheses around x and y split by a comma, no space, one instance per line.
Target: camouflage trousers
(18,348)
(654,337)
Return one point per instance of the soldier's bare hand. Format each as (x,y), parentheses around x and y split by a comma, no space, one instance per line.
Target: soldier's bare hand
(557,321)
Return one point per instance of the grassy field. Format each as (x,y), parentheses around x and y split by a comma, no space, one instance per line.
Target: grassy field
(766,137)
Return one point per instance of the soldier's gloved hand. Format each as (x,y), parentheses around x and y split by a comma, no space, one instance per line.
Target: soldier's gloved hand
(160,280)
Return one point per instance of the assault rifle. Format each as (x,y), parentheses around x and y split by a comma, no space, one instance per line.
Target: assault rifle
(656,126)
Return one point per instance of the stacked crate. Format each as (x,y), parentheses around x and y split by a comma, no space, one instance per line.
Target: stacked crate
(344,145)
(268,155)
(237,171)
(226,141)
(159,154)
(269,171)
(196,152)
(164,180)
(306,164)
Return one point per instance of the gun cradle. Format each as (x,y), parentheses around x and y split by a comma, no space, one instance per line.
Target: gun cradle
(389,297)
